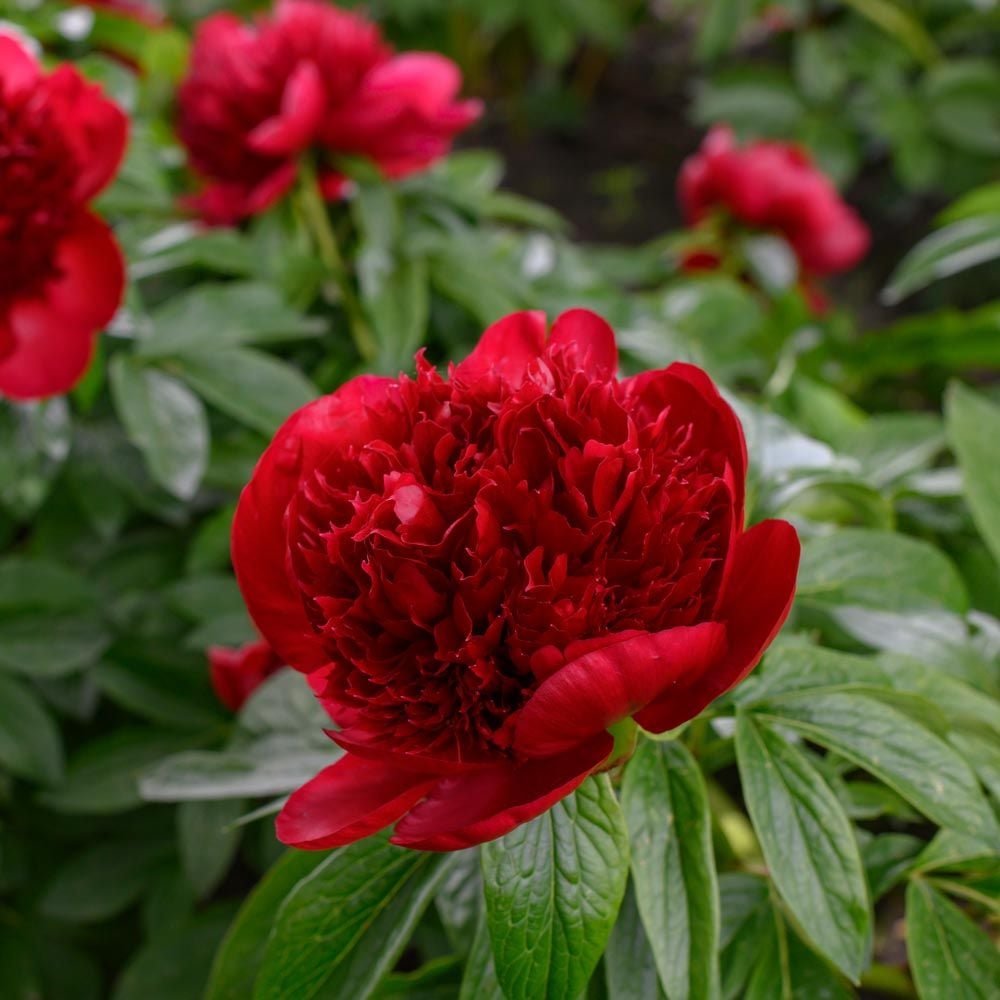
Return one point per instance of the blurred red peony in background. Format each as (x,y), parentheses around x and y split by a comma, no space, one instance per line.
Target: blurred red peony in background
(774,186)
(309,78)
(61,272)
(237,672)
(486,575)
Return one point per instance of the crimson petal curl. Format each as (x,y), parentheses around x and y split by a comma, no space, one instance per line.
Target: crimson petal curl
(505,350)
(469,809)
(605,685)
(758,596)
(347,801)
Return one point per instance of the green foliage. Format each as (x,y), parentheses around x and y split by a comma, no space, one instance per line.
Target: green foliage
(767,849)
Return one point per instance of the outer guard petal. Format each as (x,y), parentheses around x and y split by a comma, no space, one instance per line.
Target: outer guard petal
(469,809)
(606,685)
(347,801)
(758,597)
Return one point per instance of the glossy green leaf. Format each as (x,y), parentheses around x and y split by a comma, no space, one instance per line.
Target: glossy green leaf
(949,955)
(226,315)
(666,809)
(553,888)
(629,966)
(30,743)
(165,421)
(951,250)
(242,950)
(974,429)
(252,387)
(808,844)
(345,923)
(879,570)
(102,881)
(208,840)
(893,747)
(480,979)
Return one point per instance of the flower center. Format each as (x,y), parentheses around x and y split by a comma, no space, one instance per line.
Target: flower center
(446,570)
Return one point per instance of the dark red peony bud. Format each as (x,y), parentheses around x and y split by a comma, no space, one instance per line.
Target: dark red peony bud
(309,78)
(483,574)
(774,186)
(237,673)
(61,272)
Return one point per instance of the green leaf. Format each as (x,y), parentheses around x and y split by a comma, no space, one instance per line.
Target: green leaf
(102,776)
(893,747)
(459,900)
(102,881)
(746,922)
(480,979)
(720,26)
(399,310)
(30,744)
(886,859)
(242,950)
(35,440)
(962,100)
(253,388)
(49,620)
(950,250)
(629,966)
(224,316)
(756,100)
(949,955)
(983,200)
(175,965)
(819,67)
(878,570)
(553,888)
(670,828)
(208,841)
(165,421)
(345,923)
(808,844)
(973,424)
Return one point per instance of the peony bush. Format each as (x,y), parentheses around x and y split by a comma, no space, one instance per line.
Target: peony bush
(403,594)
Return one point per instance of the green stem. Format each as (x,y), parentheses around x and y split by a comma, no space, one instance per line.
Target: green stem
(317,220)
(889,980)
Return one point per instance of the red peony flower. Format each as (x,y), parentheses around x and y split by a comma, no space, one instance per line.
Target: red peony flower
(313,78)
(774,186)
(61,272)
(484,574)
(237,673)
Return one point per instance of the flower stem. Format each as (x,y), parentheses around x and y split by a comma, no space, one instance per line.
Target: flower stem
(317,220)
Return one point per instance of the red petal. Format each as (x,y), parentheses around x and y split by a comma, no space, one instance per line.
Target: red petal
(53,335)
(756,602)
(472,808)
(587,340)
(49,357)
(505,350)
(422,80)
(19,70)
(95,127)
(605,685)
(295,127)
(371,747)
(347,801)
(260,552)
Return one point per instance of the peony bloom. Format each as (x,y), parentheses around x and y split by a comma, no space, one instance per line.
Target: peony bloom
(486,575)
(310,78)
(237,673)
(774,186)
(61,272)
